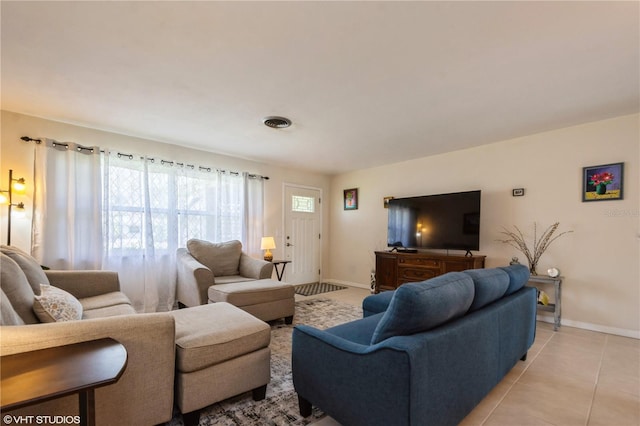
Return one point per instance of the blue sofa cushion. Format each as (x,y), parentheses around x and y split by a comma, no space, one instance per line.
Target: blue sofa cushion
(490,285)
(518,277)
(417,307)
(376,303)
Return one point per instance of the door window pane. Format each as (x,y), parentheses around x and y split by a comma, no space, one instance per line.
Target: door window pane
(303,204)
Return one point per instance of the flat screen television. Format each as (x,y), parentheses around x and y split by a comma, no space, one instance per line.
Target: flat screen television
(443,221)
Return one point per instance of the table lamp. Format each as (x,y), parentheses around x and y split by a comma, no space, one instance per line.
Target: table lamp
(267,244)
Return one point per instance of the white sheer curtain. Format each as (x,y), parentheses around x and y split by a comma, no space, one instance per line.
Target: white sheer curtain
(130,247)
(153,207)
(253,229)
(67,221)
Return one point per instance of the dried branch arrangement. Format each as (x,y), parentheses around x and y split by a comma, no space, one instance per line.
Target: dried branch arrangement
(517,240)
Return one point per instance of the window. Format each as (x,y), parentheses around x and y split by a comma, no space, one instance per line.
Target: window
(303,204)
(160,207)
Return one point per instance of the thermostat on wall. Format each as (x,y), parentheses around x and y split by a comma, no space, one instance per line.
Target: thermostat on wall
(517,192)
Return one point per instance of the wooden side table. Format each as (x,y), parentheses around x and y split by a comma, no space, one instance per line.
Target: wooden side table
(37,376)
(555,307)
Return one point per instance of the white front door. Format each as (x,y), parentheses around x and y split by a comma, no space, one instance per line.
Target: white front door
(302,225)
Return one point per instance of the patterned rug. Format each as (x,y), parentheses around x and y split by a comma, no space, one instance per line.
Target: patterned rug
(280,407)
(317,288)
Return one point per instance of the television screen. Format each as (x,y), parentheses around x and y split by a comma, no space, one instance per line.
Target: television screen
(444,221)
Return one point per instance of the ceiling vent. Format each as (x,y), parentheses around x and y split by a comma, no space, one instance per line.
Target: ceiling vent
(277,122)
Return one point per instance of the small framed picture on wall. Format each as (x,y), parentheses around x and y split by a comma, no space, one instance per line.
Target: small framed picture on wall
(603,182)
(351,199)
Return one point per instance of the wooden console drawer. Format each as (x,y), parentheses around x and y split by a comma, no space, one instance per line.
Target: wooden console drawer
(419,261)
(416,274)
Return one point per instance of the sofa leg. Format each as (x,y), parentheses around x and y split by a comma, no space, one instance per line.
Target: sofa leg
(304,406)
(192,418)
(288,320)
(524,357)
(259,393)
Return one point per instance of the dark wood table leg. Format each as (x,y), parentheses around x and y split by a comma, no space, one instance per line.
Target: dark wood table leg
(87,407)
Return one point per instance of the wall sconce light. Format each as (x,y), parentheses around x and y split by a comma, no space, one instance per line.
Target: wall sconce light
(15,186)
(267,243)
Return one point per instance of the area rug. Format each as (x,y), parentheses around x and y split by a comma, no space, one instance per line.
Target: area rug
(317,288)
(280,407)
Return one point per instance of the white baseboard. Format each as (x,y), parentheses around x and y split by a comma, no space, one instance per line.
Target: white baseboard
(347,283)
(634,334)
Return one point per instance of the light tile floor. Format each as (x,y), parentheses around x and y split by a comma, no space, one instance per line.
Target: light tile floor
(571,377)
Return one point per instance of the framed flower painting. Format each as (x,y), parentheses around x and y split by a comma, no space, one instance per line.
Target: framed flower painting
(351,199)
(604,182)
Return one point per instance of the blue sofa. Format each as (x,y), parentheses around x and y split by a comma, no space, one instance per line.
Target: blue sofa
(425,354)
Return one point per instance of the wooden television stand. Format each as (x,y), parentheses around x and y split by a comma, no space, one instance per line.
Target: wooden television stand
(394,269)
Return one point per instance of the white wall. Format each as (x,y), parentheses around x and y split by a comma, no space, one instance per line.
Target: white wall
(18,156)
(600,259)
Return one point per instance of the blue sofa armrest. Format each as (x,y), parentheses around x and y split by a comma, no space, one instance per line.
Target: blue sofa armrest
(331,339)
(349,381)
(376,303)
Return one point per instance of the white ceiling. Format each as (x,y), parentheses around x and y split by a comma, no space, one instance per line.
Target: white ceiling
(365,83)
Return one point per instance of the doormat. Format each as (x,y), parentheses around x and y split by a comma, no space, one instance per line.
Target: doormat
(317,288)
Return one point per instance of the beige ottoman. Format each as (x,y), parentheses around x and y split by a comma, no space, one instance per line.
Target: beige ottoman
(265,299)
(221,351)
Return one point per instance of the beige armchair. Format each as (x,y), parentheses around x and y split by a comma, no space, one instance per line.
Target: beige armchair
(203,264)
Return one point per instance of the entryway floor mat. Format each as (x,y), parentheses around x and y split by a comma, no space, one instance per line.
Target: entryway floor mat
(317,288)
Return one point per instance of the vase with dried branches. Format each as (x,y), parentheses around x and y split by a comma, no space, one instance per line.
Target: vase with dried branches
(517,240)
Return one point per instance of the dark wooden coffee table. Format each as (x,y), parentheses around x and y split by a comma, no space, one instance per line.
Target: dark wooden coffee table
(37,376)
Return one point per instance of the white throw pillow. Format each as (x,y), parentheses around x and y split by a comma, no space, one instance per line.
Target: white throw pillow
(55,304)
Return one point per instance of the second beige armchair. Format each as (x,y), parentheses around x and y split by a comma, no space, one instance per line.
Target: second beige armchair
(203,264)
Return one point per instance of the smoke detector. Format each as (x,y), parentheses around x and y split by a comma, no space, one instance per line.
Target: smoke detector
(277,122)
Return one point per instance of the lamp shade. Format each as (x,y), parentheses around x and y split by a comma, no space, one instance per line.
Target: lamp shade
(19,186)
(267,243)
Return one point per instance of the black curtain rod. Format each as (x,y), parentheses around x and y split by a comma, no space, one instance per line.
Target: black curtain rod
(28,139)
(201,168)
(131,156)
